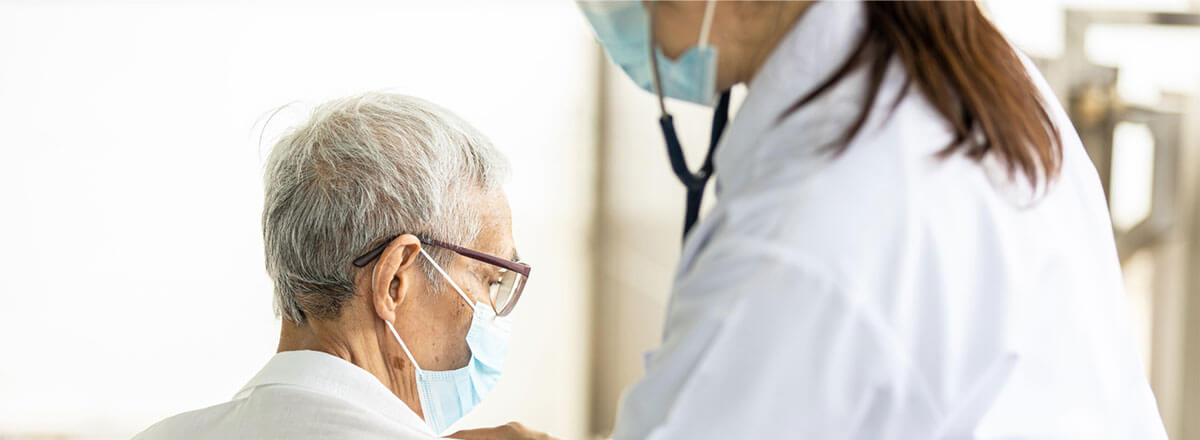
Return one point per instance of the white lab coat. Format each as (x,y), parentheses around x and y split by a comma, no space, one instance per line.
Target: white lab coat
(301,395)
(887,293)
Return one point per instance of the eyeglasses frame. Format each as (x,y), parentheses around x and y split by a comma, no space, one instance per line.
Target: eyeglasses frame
(515,266)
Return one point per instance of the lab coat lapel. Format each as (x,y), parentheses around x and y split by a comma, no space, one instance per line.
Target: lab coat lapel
(755,142)
(813,49)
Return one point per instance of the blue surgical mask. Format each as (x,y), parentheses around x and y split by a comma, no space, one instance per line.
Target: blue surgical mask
(447,396)
(623,28)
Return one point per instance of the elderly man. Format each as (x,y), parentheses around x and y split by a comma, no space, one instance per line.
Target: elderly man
(390,244)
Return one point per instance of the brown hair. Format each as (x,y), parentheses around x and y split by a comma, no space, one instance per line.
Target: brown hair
(968,72)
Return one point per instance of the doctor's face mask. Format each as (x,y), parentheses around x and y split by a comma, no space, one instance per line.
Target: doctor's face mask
(624,29)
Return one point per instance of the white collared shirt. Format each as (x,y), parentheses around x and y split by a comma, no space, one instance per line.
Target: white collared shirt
(301,395)
(888,293)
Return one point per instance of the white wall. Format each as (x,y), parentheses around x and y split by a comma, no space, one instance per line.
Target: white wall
(131,277)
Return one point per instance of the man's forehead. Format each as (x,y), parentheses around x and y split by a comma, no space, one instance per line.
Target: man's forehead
(495,236)
(494,212)
(507,250)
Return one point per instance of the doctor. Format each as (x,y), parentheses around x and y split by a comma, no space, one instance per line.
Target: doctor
(909,240)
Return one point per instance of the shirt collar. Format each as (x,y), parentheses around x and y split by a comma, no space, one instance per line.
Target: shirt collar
(817,44)
(328,374)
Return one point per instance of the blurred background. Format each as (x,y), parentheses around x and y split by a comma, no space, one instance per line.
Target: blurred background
(134,133)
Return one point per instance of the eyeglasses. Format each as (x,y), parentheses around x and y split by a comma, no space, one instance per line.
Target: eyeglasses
(504,293)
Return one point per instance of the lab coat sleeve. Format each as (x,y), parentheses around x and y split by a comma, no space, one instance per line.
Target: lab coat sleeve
(760,341)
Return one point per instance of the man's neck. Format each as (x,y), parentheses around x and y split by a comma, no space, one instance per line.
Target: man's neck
(359,348)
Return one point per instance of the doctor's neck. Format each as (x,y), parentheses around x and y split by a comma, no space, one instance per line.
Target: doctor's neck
(342,338)
(774,21)
(745,33)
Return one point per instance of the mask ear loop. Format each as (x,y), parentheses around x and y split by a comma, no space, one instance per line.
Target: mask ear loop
(403,346)
(653,47)
(452,284)
(705,28)
(392,328)
(447,276)
(706,25)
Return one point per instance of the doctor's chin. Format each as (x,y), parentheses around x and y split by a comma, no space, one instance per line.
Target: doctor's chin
(859,220)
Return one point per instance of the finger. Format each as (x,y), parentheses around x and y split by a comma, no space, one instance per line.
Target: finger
(476,434)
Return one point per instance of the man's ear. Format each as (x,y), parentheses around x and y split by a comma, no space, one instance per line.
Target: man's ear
(390,279)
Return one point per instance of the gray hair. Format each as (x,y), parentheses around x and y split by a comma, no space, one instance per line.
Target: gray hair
(361,170)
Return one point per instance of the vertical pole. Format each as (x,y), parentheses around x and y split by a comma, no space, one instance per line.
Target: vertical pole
(600,418)
(1189,207)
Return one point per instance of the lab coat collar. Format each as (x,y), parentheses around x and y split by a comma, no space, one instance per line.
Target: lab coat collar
(820,41)
(334,376)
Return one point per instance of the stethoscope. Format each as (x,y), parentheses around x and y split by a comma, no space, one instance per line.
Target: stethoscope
(694,182)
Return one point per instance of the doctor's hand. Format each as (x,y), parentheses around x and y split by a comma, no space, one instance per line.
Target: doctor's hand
(509,431)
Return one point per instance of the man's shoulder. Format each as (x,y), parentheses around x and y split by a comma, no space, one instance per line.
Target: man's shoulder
(243,416)
(282,411)
(195,424)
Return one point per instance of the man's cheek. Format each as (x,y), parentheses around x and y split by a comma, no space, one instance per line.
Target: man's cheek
(465,318)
